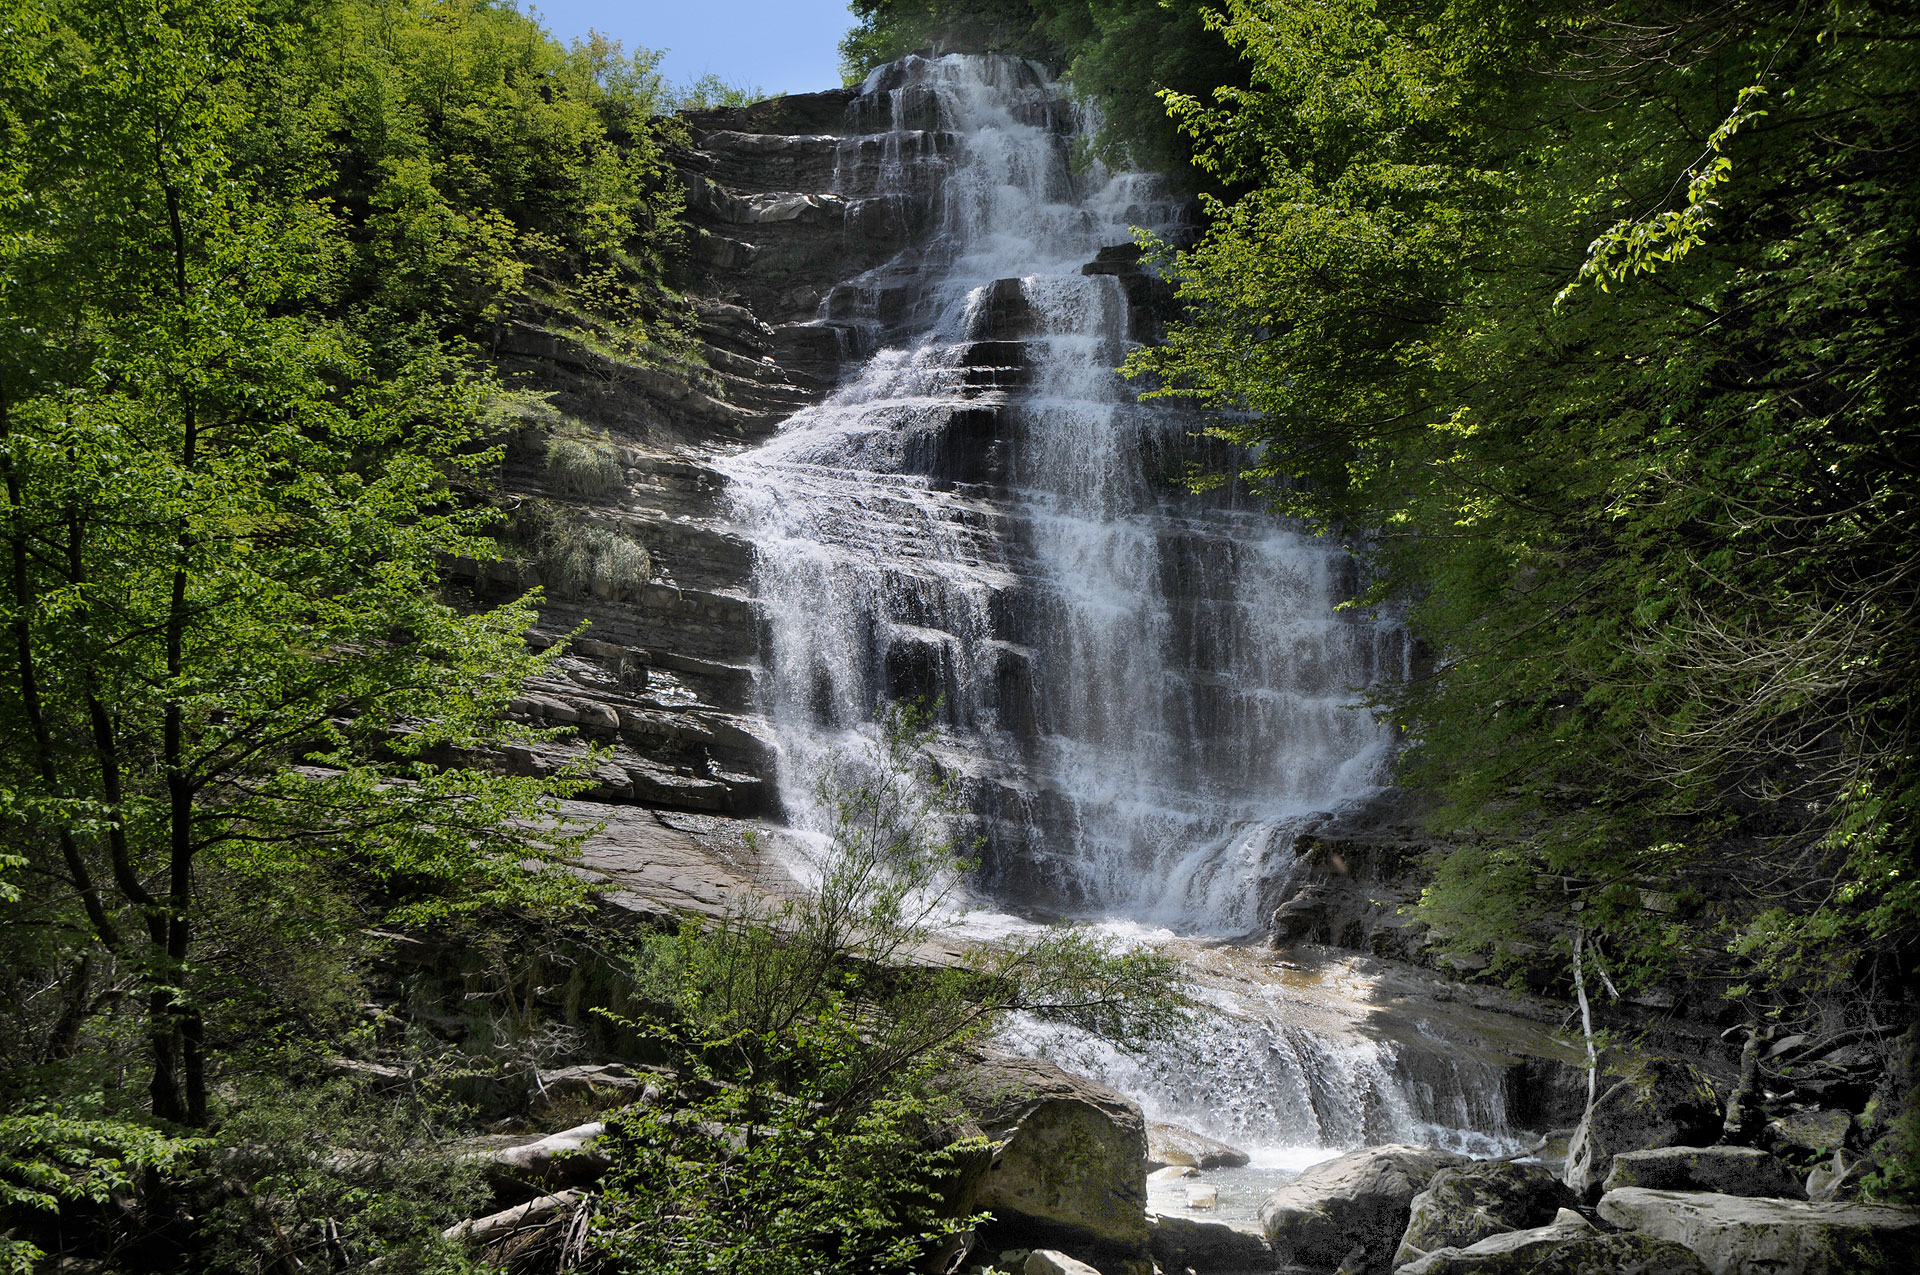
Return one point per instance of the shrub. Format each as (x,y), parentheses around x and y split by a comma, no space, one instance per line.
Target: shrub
(803,1134)
(573,556)
(582,465)
(777,1179)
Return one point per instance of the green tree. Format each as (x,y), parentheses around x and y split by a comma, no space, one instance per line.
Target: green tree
(228,667)
(49,1159)
(1584,322)
(479,161)
(1120,55)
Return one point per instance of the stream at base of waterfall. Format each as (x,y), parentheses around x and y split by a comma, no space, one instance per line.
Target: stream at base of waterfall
(1142,693)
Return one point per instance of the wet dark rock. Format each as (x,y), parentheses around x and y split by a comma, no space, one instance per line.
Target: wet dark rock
(1727,1170)
(1464,1205)
(1150,299)
(1353,887)
(1005,314)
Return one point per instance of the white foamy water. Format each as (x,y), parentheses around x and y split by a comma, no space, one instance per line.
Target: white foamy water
(1144,693)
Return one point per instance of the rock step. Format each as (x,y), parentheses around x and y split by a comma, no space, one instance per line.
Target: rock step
(790,113)
(1736,1235)
(701,624)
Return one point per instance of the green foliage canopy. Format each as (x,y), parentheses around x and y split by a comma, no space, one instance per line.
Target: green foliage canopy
(1584,321)
(240,246)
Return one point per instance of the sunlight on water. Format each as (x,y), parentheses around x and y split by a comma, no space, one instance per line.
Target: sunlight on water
(1144,693)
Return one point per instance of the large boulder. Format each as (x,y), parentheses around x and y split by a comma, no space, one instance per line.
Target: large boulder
(1206,1244)
(1571,1248)
(1810,1135)
(1725,1170)
(1736,1235)
(1465,1205)
(1664,1104)
(1172,1144)
(1070,1161)
(1360,1200)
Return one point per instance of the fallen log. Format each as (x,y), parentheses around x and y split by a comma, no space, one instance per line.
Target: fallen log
(521,1217)
(567,1158)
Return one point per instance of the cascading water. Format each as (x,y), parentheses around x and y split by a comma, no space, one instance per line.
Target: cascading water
(1144,692)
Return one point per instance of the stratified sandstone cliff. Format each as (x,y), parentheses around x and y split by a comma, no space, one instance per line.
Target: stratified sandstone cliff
(798,205)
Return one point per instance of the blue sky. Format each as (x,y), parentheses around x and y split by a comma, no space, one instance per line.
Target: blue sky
(782,46)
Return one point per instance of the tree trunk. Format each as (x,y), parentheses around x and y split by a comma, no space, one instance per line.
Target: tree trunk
(1586,1019)
(1745,1115)
(163,1088)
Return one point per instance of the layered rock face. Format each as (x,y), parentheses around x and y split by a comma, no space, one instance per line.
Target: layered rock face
(814,216)
(1145,693)
(1141,691)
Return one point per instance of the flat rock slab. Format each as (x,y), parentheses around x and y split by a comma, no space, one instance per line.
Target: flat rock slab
(1736,1235)
(1172,1144)
(1724,1170)
(645,864)
(1561,1250)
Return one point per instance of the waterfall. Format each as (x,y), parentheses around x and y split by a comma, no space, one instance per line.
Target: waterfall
(1143,691)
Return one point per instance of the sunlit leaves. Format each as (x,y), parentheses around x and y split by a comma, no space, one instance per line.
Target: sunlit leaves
(1659,536)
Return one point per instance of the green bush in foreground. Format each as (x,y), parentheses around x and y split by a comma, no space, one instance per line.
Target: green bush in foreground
(773,1174)
(803,1130)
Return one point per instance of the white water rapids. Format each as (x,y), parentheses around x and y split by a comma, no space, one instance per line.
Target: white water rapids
(1144,692)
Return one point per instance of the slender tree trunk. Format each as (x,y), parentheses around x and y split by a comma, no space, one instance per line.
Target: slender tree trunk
(106,750)
(1586,1018)
(184,1016)
(1744,1112)
(29,686)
